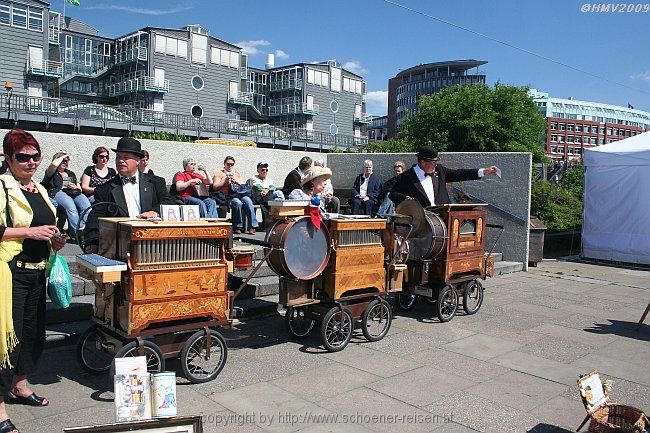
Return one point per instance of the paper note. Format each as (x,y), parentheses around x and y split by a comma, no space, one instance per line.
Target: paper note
(499,172)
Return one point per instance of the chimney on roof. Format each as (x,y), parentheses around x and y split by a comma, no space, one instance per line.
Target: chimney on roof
(270,61)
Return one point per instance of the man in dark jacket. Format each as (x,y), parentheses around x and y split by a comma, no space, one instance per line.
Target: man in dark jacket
(426,181)
(292,181)
(365,191)
(129,194)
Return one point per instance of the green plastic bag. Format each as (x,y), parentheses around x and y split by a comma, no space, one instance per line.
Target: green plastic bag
(59,286)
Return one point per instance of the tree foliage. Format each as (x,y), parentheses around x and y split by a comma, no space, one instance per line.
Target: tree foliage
(475,118)
(559,206)
(161,135)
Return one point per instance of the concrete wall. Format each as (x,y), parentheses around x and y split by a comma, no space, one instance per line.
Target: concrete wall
(510,193)
(166,157)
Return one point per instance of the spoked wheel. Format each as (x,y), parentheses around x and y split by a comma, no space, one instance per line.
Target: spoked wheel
(153,354)
(298,324)
(336,328)
(447,304)
(472,296)
(197,366)
(376,320)
(405,301)
(95,350)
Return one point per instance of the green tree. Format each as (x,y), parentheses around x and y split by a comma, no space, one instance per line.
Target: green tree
(477,118)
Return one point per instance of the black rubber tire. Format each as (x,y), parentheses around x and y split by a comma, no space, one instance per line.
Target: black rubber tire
(376,313)
(447,304)
(472,297)
(336,329)
(194,349)
(87,349)
(292,320)
(405,301)
(155,357)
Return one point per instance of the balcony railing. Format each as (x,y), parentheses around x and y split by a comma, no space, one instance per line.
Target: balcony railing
(181,123)
(290,84)
(45,68)
(363,119)
(140,84)
(132,55)
(299,108)
(240,98)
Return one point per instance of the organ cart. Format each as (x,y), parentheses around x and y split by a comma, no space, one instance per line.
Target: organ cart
(446,258)
(335,275)
(161,291)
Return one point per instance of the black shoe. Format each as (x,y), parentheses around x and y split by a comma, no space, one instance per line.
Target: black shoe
(32,400)
(7,426)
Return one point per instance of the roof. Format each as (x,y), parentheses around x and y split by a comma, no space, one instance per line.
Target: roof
(184,30)
(629,151)
(457,65)
(302,64)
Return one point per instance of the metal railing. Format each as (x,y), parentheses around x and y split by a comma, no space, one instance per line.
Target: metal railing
(179,123)
(291,83)
(136,53)
(364,118)
(244,98)
(47,68)
(299,108)
(140,84)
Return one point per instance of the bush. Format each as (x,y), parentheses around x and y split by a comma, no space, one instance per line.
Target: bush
(556,206)
(161,135)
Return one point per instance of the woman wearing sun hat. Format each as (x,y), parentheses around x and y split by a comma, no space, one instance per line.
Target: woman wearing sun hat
(312,184)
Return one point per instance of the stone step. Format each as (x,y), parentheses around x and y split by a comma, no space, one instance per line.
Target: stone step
(256,287)
(263,271)
(502,268)
(81,308)
(498,257)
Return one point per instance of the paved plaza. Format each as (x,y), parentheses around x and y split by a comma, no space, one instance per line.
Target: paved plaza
(512,367)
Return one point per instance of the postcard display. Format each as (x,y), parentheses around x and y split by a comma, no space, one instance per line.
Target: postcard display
(140,395)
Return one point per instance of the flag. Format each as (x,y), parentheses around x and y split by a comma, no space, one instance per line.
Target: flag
(630,106)
(73,2)
(314,212)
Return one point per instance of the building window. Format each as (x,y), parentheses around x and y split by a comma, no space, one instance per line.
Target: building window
(182,49)
(199,49)
(578,128)
(197,111)
(35,20)
(197,82)
(570,127)
(5,13)
(553,125)
(19,16)
(334,106)
(318,78)
(161,44)
(554,138)
(107,49)
(562,126)
(334,129)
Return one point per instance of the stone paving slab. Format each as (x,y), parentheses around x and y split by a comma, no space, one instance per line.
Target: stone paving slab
(512,367)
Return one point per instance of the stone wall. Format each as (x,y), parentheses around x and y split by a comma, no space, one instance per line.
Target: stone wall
(511,193)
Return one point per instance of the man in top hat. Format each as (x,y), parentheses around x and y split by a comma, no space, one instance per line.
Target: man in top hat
(129,194)
(426,181)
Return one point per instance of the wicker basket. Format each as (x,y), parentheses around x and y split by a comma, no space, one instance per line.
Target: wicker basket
(618,418)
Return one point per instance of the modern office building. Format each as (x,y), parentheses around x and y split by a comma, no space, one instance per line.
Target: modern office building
(184,78)
(407,86)
(572,125)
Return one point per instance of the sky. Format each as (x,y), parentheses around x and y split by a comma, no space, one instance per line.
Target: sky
(378,39)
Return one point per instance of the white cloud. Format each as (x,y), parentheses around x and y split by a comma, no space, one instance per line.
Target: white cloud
(644,76)
(140,10)
(355,66)
(281,54)
(252,47)
(377,102)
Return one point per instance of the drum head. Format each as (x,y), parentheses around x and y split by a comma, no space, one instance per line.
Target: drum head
(413,213)
(306,250)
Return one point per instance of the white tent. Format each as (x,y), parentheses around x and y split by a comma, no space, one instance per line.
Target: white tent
(617,201)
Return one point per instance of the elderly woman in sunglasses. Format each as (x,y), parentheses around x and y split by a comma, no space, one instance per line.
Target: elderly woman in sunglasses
(62,186)
(97,174)
(27,235)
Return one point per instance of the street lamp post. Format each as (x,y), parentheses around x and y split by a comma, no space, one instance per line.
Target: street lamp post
(9,89)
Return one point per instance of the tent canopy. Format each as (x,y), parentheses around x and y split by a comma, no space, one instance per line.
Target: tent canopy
(616,201)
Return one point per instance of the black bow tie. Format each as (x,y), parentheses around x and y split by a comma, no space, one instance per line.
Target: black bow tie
(131,179)
(434,174)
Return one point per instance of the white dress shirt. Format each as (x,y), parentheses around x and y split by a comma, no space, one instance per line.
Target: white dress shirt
(132,196)
(427,183)
(363,188)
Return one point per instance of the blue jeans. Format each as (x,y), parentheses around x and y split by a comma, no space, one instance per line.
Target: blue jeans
(207,206)
(236,205)
(73,207)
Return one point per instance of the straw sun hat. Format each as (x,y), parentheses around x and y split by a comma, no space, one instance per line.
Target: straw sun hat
(315,172)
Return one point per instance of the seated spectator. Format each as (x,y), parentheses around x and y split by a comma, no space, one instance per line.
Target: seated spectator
(143,167)
(313,184)
(97,174)
(332,203)
(292,181)
(187,184)
(387,205)
(263,190)
(230,182)
(365,191)
(62,186)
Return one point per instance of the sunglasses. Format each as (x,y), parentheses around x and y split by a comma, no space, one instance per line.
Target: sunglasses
(230,163)
(264,169)
(25,157)
(102,156)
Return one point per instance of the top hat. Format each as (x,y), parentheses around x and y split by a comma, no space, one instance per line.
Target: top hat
(131,145)
(315,172)
(428,153)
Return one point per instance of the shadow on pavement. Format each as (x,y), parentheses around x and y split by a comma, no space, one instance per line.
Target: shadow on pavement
(548,428)
(622,329)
